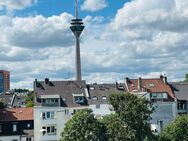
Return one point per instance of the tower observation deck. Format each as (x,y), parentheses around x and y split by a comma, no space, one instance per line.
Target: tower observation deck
(77,27)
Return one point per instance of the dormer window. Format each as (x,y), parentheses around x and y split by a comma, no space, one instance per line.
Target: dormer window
(50,100)
(79,98)
(104,97)
(94,98)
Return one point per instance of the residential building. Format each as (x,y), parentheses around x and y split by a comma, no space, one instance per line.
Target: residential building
(98,97)
(159,92)
(4,81)
(57,101)
(16,124)
(181,93)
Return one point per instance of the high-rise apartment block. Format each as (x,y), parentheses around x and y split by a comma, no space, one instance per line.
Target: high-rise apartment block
(4,81)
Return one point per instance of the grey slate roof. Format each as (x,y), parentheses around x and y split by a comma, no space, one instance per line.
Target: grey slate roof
(66,89)
(180,90)
(102,91)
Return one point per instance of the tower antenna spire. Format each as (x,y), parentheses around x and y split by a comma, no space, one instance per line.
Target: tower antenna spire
(77,27)
(76,9)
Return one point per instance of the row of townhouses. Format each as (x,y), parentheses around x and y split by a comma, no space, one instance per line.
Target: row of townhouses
(57,101)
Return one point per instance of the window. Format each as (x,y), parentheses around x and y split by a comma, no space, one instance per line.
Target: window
(50,130)
(66,111)
(97,106)
(79,99)
(94,98)
(182,105)
(158,95)
(48,115)
(160,123)
(28,139)
(104,97)
(28,125)
(14,127)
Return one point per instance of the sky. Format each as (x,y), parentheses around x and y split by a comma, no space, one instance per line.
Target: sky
(122,38)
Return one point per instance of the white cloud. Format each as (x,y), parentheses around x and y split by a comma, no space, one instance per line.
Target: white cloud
(36,32)
(94,5)
(16,4)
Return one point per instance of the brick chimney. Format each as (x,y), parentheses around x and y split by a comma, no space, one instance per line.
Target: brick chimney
(140,84)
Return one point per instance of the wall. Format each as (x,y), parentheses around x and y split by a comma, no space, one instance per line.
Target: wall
(61,117)
(10,138)
(165,112)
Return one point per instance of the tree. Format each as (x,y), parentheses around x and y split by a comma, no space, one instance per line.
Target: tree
(177,130)
(186,78)
(117,130)
(2,105)
(134,112)
(83,126)
(30,99)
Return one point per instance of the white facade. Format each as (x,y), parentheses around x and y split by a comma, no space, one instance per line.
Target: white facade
(14,138)
(101,109)
(49,122)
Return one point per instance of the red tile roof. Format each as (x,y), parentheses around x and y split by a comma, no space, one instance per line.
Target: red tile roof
(158,86)
(16,114)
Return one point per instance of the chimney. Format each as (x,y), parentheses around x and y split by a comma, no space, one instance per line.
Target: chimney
(163,79)
(46,80)
(127,82)
(116,86)
(140,84)
(36,83)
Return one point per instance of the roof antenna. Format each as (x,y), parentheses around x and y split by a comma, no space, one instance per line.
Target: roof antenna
(76,9)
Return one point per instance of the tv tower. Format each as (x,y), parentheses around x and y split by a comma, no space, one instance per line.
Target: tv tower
(77,27)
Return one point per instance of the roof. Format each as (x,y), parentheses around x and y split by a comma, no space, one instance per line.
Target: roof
(180,90)
(153,85)
(6,99)
(16,114)
(99,93)
(68,89)
(65,90)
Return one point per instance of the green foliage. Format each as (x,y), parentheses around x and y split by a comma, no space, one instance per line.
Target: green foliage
(21,90)
(29,104)
(30,99)
(2,105)
(186,78)
(83,126)
(177,130)
(134,112)
(117,130)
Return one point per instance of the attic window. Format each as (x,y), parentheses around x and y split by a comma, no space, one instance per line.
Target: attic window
(79,99)
(64,99)
(94,98)
(151,85)
(104,97)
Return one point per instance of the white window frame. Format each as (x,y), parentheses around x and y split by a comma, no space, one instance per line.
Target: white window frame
(50,130)
(48,115)
(14,127)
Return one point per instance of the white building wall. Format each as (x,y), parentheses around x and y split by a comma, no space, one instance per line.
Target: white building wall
(61,117)
(103,109)
(25,139)
(10,138)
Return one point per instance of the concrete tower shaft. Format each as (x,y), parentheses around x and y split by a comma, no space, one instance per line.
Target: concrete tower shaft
(77,27)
